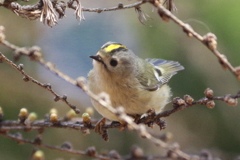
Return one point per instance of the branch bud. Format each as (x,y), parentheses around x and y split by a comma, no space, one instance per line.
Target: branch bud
(38,155)
(86,118)
(208,93)
(47,85)
(91,151)
(137,152)
(25,78)
(188,30)
(177,101)
(31,118)
(56,98)
(210,40)
(113,154)
(23,114)
(20,66)
(188,99)
(53,110)
(210,104)
(230,100)
(70,114)
(120,5)
(53,117)
(66,145)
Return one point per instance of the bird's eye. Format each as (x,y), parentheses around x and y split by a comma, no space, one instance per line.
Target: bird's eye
(113,62)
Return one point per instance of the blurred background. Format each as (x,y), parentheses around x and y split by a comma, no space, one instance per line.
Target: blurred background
(69,45)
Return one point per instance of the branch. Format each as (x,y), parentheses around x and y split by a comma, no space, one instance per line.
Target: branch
(87,123)
(46,86)
(47,10)
(209,40)
(65,147)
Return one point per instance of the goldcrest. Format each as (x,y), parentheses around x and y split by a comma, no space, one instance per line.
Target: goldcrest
(133,83)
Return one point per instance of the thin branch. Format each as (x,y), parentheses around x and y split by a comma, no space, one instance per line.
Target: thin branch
(46,9)
(91,151)
(78,124)
(47,86)
(135,152)
(209,40)
(119,7)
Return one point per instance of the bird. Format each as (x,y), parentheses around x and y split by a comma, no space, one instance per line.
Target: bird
(131,82)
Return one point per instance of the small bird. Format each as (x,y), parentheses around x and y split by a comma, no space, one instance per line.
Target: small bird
(133,83)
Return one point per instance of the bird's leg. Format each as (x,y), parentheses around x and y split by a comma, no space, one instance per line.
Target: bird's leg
(99,128)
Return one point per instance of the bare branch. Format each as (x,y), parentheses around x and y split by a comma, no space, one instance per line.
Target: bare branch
(209,40)
(46,86)
(90,152)
(46,9)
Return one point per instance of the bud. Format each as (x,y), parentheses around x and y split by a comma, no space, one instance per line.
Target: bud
(53,110)
(210,104)
(86,118)
(23,114)
(230,101)
(20,66)
(188,99)
(70,114)
(208,93)
(66,145)
(25,78)
(53,117)
(38,155)
(91,151)
(31,118)
(137,152)
(177,101)
(114,155)
(188,29)
(210,40)
(120,5)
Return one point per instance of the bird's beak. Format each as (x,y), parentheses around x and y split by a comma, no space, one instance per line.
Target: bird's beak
(97,58)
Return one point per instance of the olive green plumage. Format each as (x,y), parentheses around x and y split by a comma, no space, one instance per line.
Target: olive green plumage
(131,82)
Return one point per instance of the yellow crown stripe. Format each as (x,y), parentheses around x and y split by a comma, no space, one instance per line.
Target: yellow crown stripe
(112,47)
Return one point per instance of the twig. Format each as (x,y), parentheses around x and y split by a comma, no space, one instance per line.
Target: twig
(119,7)
(46,9)
(47,86)
(136,152)
(78,124)
(91,151)
(209,40)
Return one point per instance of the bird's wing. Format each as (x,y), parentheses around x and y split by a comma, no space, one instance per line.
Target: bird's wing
(163,71)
